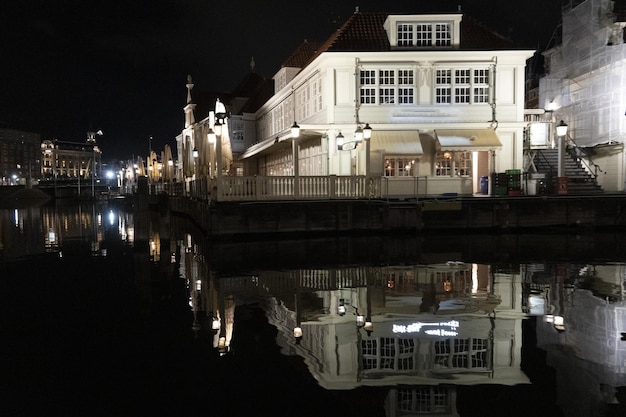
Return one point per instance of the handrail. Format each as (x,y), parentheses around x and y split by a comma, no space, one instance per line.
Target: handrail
(583,155)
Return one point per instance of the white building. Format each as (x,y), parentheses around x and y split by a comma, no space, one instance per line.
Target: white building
(584,85)
(443,95)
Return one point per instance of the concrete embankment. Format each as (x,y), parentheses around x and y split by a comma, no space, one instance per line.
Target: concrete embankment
(377,216)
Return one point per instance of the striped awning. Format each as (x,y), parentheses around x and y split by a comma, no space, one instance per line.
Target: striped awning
(467,139)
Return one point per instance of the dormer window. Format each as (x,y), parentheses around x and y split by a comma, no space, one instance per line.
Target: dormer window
(423,31)
(424,34)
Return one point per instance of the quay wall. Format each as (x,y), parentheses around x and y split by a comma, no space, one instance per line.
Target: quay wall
(433,214)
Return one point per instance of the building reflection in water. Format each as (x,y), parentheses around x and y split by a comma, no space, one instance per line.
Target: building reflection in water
(419,330)
(422,331)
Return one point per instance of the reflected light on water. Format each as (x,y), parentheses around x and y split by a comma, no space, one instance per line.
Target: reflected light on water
(418,328)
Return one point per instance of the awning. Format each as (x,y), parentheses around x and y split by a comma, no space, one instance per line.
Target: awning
(277,143)
(397,142)
(467,139)
(258,148)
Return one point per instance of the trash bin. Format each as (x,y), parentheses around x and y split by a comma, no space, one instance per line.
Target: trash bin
(484,185)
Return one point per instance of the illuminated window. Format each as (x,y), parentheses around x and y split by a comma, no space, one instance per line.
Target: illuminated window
(449,164)
(399,167)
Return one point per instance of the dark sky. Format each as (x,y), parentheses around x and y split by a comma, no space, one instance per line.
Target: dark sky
(68,66)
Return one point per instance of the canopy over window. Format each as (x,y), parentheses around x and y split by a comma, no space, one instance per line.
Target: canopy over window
(467,140)
(278,143)
(397,142)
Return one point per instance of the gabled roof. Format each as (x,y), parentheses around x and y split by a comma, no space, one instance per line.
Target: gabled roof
(364,32)
(247,97)
(302,55)
(253,91)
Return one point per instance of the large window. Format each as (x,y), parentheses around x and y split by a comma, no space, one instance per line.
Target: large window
(424,400)
(461,86)
(388,353)
(456,354)
(309,98)
(424,34)
(399,167)
(387,86)
(448,164)
(312,160)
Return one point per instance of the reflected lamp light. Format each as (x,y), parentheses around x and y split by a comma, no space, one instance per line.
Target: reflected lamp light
(211,136)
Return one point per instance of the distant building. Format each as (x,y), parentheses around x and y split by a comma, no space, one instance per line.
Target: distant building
(585,84)
(71,160)
(19,156)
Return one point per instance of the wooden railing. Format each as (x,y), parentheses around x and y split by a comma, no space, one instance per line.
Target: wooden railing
(282,188)
(331,187)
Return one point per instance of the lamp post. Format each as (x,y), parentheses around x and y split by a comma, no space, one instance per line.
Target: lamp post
(169,172)
(212,140)
(195,155)
(218,128)
(561,132)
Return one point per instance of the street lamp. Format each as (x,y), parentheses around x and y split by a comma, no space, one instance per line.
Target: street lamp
(218,127)
(358,134)
(561,132)
(295,130)
(561,129)
(339,140)
(367,131)
(195,155)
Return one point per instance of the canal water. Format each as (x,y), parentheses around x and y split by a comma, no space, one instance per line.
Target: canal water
(108,312)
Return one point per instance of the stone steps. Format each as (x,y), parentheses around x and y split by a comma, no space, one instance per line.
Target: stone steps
(580,182)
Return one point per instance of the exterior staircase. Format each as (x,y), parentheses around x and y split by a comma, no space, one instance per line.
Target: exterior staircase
(579,180)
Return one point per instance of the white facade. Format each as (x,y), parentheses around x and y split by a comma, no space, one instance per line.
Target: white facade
(585,86)
(414,98)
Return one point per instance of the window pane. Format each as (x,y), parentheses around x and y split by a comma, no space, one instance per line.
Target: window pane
(462,77)
(387,95)
(442,95)
(424,35)
(405,77)
(368,95)
(481,95)
(443,35)
(443,77)
(405,95)
(462,95)
(405,35)
(387,77)
(368,77)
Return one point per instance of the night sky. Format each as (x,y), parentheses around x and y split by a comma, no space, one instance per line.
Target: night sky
(69,66)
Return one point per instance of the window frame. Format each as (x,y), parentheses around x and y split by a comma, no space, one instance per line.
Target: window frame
(424,34)
(388,86)
(467,85)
